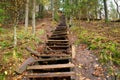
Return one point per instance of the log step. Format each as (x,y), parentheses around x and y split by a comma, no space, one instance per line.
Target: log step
(69,65)
(58,46)
(54,36)
(58,37)
(59,31)
(57,40)
(60,50)
(54,55)
(53,59)
(58,43)
(46,75)
(58,34)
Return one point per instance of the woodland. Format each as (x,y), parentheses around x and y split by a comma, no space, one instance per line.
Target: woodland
(94,27)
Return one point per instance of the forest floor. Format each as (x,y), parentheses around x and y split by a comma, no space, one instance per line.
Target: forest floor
(89,65)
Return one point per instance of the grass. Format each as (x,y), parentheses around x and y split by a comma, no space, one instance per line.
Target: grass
(103,45)
(2,76)
(10,58)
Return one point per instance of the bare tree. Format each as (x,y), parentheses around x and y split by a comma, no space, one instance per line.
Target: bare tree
(26,15)
(53,10)
(33,17)
(106,11)
(116,2)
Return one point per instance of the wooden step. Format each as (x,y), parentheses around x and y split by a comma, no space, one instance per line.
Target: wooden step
(58,43)
(57,40)
(54,55)
(46,75)
(61,50)
(60,28)
(61,36)
(58,34)
(58,31)
(54,45)
(59,46)
(69,65)
(53,59)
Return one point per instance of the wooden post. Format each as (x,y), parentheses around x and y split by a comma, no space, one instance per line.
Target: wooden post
(73,52)
(73,58)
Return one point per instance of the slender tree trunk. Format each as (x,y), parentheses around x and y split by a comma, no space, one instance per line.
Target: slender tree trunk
(117,8)
(26,15)
(33,17)
(96,13)
(15,36)
(100,14)
(88,16)
(70,22)
(105,9)
(41,9)
(15,28)
(15,41)
(53,10)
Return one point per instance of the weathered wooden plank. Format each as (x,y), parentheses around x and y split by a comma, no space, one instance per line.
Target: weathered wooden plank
(59,46)
(58,43)
(57,37)
(60,50)
(54,55)
(69,65)
(59,30)
(46,75)
(24,65)
(65,36)
(58,34)
(35,53)
(53,59)
(73,51)
(57,40)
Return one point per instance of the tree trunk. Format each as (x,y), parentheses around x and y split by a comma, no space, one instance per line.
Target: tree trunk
(117,8)
(41,13)
(26,15)
(100,13)
(33,17)
(96,13)
(106,12)
(15,41)
(15,27)
(70,21)
(15,36)
(52,7)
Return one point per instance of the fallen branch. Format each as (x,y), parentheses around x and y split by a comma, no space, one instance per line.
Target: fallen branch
(35,53)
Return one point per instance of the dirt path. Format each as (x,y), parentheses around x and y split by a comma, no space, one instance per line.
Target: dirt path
(46,25)
(87,66)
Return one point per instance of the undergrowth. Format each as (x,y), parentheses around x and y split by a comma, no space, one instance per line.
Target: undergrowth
(8,61)
(107,50)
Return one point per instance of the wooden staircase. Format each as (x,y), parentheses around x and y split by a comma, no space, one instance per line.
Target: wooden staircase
(56,62)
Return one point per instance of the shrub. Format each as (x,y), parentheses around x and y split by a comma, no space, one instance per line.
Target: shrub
(2,17)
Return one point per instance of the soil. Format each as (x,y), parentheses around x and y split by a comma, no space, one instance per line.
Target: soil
(87,66)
